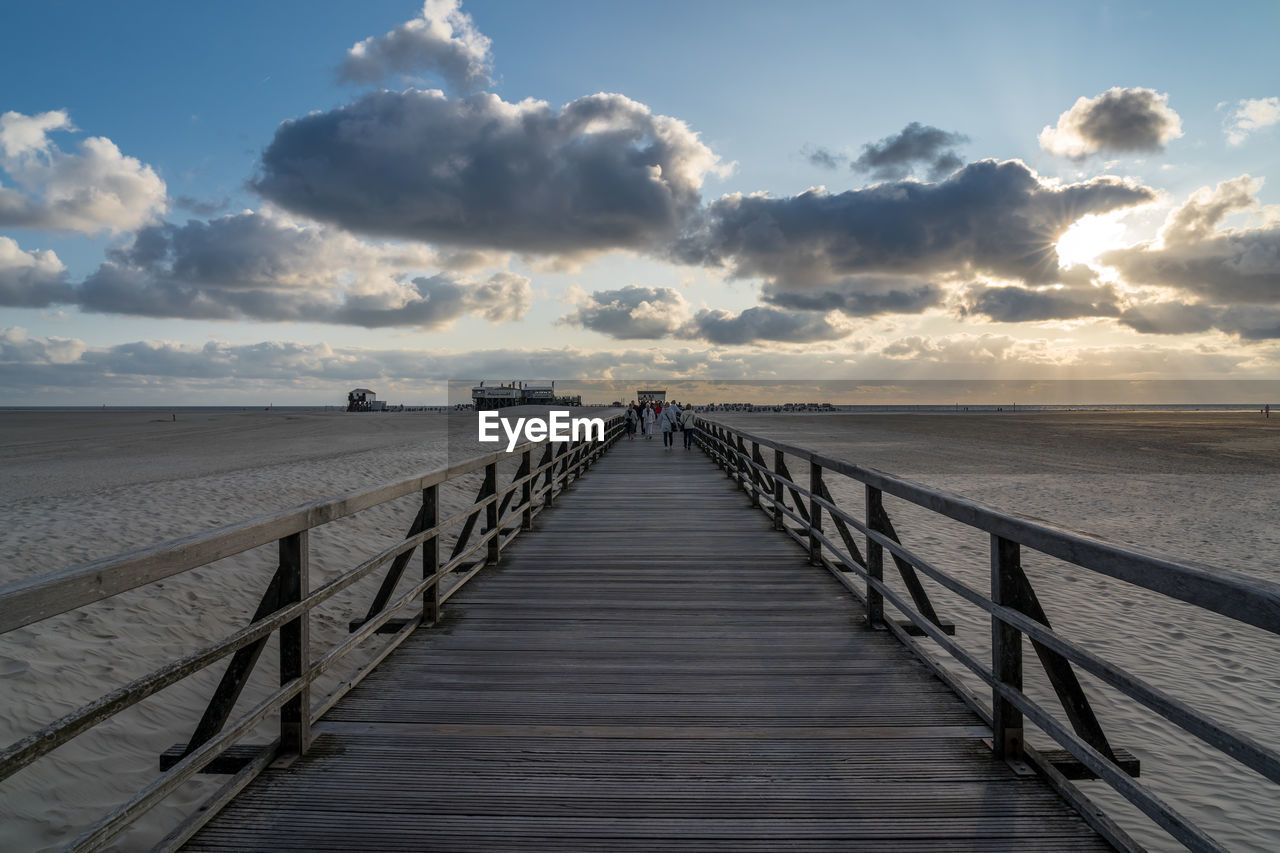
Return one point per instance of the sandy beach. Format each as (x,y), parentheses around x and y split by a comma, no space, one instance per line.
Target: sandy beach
(84,485)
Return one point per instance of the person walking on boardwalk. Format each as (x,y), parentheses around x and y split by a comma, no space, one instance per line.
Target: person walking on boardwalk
(686,423)
(633,421)
(649,417)
(668,419)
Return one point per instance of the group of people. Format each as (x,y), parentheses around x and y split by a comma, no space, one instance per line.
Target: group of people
(669,418)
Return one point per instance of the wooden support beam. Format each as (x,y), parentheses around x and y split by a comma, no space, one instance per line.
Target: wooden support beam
(815,514)
(430,555)
(295,644)
(491,513)
(526,492)
(1006,650)
(777,491)
(875,561)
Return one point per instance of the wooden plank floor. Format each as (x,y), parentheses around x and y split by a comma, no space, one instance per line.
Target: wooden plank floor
(653,669)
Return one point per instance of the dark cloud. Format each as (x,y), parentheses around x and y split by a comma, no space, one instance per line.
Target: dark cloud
(1229,266)
(1119,120)
(601,173)
(34,279)
(631,312)
(1248,322)
(862,296)
(259,267)
(761,324)
(989,218)
(1015,304)
(894,157)
(1251,323)
(443,40)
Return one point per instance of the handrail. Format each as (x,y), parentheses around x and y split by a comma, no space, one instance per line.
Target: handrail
(32,600)
(1254,601)
(286,608)
(1013,609)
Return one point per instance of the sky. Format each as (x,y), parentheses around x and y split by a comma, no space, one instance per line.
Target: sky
(243,203)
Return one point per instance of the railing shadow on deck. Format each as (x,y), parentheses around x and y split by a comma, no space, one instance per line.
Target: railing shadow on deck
(1015,612)
(285,607)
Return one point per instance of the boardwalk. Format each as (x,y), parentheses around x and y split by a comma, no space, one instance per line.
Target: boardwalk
(653,669)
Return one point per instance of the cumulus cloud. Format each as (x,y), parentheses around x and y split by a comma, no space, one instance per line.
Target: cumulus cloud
(266,267)
(1250,115)
(894,157)
(1204,211)
(1119,120)
(33,279)
(443,40)
(988,218)
(630,312)
(1221,265)
(651,313)
(761,324)
(17,347)
(95,189)
(1015,304)
(603,172)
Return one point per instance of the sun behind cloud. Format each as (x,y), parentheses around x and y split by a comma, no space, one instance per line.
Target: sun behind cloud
(1088,238)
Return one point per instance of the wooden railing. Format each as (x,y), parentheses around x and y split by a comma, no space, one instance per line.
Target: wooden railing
(285,608)
(1014,610)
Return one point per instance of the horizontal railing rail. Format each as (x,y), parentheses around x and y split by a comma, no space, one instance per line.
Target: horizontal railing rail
(285,609)
(1014,611)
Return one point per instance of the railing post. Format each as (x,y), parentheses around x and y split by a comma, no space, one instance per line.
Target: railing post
(1006,649)
(295,645)
(875,560)
(777,490)
(549,459)
(815,513)
(431,555)
(491,512)
(755,493)
(526,491)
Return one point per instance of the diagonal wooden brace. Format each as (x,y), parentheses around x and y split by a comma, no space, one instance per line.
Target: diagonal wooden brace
(237,673)
(1062,676)
(881,524)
